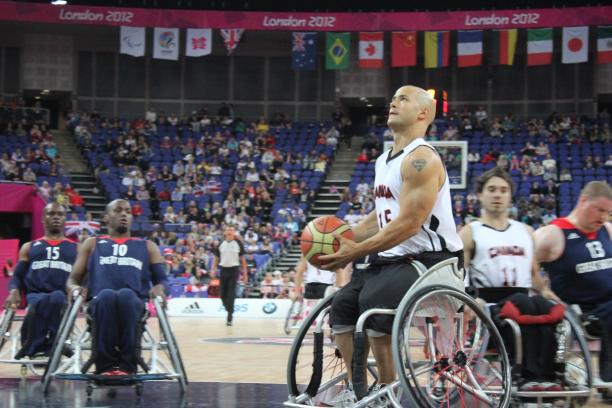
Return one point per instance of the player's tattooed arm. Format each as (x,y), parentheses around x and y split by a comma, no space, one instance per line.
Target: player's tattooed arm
(419,164)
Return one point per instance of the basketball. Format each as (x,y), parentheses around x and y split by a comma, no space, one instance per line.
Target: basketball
(318,238)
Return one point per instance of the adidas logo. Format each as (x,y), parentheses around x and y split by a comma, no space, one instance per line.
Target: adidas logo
(103,241)
(36,243)
(193,308)
(573,235)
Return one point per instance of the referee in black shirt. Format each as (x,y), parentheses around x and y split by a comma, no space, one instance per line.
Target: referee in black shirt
(230,256)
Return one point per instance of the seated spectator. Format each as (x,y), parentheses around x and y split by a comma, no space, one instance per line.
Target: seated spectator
(74,197)
(176,194)
(363,157)
(351,218)
(565,175)
(142,193)
(542,150)
(268,290)
(29,175)
(537,169)
(473,157)
(214,285)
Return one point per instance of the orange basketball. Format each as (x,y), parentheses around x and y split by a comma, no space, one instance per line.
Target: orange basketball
(318,238)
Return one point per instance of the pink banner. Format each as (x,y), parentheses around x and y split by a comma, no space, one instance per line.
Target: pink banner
(9,249)
(20,198)
(454,20)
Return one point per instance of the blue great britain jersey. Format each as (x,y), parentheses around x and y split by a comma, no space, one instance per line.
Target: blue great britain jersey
(119,263)
(583,273)
(50,264)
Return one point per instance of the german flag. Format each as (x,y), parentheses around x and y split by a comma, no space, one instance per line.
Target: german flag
(505,46)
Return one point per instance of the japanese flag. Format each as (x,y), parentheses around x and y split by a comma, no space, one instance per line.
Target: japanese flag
(575,45)
(199,42)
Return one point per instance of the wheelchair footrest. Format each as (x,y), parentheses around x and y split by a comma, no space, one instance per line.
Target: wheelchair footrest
(113,379)
(585,392)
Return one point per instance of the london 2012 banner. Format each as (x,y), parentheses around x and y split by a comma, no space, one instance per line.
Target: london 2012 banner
(396,21)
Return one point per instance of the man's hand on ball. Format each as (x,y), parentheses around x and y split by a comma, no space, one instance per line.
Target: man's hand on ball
(345,254)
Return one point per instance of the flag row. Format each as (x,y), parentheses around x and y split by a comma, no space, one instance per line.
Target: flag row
(166,41)
(436,48)
(404,47)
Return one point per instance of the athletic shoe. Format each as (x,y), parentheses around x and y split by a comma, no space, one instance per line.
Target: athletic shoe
(532,386)
(382,401)
(551,386)
(345,399)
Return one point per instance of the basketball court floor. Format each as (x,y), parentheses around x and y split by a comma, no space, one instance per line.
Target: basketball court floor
(242,366)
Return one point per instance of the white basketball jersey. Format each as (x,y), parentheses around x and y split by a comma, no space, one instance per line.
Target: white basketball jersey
(315,275)
(501,258)
(438,232)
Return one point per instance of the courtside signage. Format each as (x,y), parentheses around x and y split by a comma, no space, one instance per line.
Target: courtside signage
(212,307)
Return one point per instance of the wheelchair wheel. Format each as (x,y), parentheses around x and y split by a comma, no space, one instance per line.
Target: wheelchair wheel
(448,352)
(6,322)
(294,316)
(316,373)
(59,342)
(574,358)
(173,350)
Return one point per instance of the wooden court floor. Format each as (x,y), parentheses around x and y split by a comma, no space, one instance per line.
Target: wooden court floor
(250,351)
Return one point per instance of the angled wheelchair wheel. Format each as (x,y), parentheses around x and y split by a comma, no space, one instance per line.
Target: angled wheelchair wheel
(173,350)
(574,359)
(448,352)
(59,342)
(6,321)
(294,316)
(316,374)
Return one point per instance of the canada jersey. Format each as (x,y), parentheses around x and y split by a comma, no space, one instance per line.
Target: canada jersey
(316,275)
(50,265)
(438,232)
(119,263)
(496,264)
(583,273)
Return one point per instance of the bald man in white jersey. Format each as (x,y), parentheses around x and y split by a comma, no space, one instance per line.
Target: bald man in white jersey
(413,220)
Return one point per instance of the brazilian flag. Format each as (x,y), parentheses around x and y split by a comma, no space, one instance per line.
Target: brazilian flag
(337,50)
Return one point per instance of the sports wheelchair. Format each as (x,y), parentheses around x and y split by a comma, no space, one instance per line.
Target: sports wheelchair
(10,344)
(158,356)
(446,351)
(573,367)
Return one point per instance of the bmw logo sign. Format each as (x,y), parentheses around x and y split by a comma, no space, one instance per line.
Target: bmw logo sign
(269,308)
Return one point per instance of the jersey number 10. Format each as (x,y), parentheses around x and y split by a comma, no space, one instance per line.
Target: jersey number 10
(120,250)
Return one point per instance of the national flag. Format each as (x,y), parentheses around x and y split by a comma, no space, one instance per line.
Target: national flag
(403,49)
(231,38)
(604,45)
(539,46)
(371,47)
(166,43)
(74,228)
(436,49)
(199,42)
(505,46)
(337,50)
(575,45)
(469,48)
(132,41)
(304,51)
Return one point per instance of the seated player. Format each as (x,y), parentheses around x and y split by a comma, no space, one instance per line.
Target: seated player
(121,272)
(41,273)
(499,254)
(576,251)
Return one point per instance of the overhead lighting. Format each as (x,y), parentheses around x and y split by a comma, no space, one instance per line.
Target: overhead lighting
(369,105)
(59,2)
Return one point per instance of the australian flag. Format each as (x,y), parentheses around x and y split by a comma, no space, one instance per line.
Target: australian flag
(304,51)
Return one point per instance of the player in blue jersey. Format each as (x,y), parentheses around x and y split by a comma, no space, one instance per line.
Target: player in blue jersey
(41,273)
(121,273)
(576,251)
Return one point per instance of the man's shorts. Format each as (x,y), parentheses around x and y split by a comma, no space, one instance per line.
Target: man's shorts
(315,290)
(378,286)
